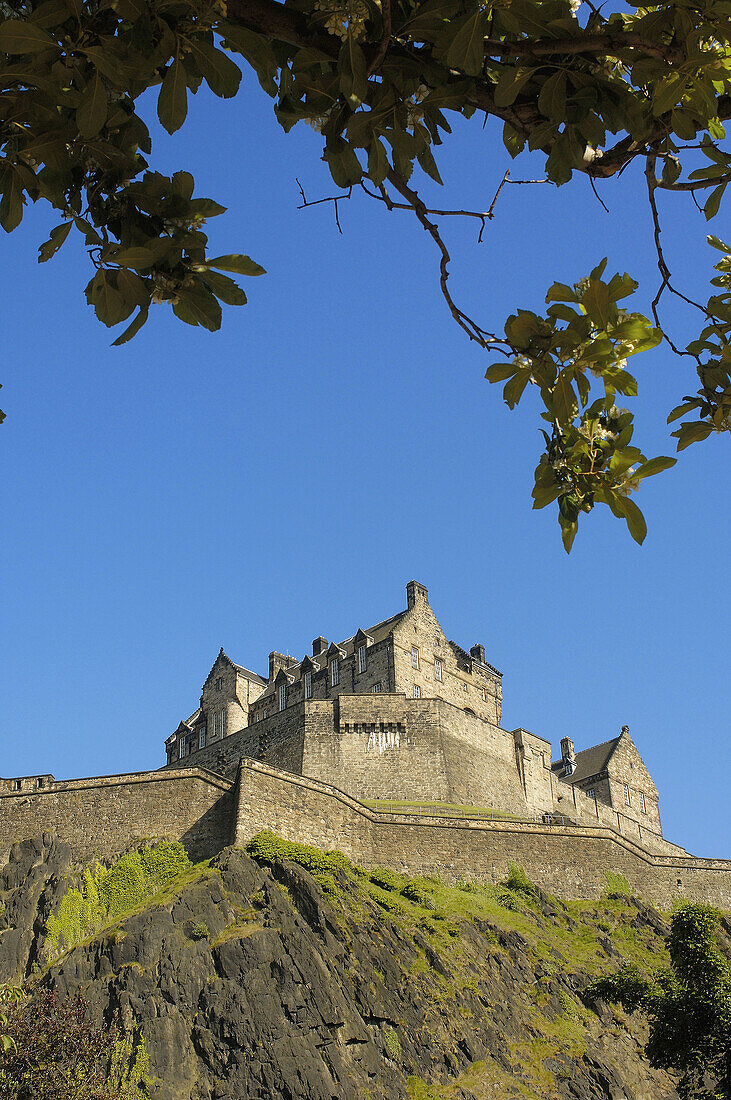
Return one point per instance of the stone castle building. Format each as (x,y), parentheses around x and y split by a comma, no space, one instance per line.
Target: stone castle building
(399,712)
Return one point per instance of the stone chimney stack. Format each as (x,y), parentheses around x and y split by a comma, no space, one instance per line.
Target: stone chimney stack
(277,661)
(478,652)
(416,593)
(568,756)
(319,646)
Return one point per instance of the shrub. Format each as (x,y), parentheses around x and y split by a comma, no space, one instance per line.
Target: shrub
(617,887)
(386,879)
(199,932)
(106,893)
(269,849)
(57,1052)
(519,882)
(415,890)
(507,899)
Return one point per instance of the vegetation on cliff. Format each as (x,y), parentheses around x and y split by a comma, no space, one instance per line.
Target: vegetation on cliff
(287,971)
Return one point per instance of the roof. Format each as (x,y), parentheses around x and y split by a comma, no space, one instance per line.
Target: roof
(590,761)
(377,633)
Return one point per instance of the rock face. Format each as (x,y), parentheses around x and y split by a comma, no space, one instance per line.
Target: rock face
(251,982)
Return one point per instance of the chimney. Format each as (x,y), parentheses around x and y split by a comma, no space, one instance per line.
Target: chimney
(319,646)
(277,661)
(478,652)
(568,757)
(416,593)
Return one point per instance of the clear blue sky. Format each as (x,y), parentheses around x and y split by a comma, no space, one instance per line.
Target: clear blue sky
(288,475)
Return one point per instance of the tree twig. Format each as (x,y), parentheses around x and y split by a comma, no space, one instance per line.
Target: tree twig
(334,199)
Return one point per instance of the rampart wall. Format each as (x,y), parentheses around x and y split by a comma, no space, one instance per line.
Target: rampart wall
(570,861)
(102,817)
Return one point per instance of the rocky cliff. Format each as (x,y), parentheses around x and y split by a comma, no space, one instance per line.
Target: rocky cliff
(289,973)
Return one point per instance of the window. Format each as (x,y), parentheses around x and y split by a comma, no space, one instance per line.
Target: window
(282,696)
(591,792)
(417,691)
(334,672)
(41,782)
(17,785)
(223,723)
(181,748)
(361,658)
(214,735)
(308,685)
(437,669)
(219,683)
(377,688)
(642,803)
(202,737)
(414,657)
(625,788)
(484,695)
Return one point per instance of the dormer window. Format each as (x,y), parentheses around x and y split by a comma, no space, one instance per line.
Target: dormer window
(642,803)
(223,723)
(202,737)
(181,748)
(625,789)
(308,685)
(437,669)
(219,683)
(282,690)
(361,658)
(334,672)
(214,735)
(414,657)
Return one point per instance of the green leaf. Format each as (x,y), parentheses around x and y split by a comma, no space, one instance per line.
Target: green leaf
(206,208)
(669,93)
(221,74)
(132,330)
(110,306)
(353,70)
(564,403)
(654,466)
(172,103)
(635,521)
(256,49)
(466,51)
(18,37)
(196,305)
(91,113)
(694,432)
(498,372)
(56,239)
(509,85)
(681,410)
(225,289)
(377,161)
(133,257)
(11,205)
(552,97)
(597,303)
(560,292)
(714,201)
(242,265)
(568,532)
(344,165)
(428,164)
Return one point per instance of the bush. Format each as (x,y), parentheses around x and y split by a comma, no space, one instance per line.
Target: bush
(199,932)
(58,1053)
(386,879)
(507,899)
(416,891)
(617,888)
(519,882)
(269,849)
(106,893)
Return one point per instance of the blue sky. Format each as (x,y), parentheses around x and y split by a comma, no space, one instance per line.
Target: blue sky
(287,476)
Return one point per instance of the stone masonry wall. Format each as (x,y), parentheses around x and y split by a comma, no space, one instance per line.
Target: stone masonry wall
(570,861)
(102,817)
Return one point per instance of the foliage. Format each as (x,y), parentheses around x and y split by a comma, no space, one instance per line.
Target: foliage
(200,931)
(688,1004)
(519,883)
(9,995)
(418,891)
(617,885)
(58,1053)
(106,893)
(386,879)
(590,90)
(269,849)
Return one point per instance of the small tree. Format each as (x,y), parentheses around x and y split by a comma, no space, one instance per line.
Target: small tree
(55,1052)
(688,1005)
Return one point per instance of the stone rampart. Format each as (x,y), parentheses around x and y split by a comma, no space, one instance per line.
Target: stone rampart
(570,861)
(103,816)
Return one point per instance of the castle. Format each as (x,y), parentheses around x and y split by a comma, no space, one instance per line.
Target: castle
(397,712)
(388,746)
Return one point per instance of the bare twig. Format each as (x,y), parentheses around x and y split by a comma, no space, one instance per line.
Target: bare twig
(665,273)
(597,196)
(334,199)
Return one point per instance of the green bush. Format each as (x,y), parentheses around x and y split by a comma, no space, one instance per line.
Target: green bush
(617,887)
(416,891)
(269,849)
(387,880)
(507,899)
(107,893)
(199,932)
(519,882)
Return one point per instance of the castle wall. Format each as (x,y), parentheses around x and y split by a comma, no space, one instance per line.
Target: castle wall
(102,817)
(570,861)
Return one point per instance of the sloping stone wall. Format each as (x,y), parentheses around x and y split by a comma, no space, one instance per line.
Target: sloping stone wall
(103,816)
(570,861)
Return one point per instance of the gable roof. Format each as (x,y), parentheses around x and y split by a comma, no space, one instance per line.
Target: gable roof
(589,761)
(239,668)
